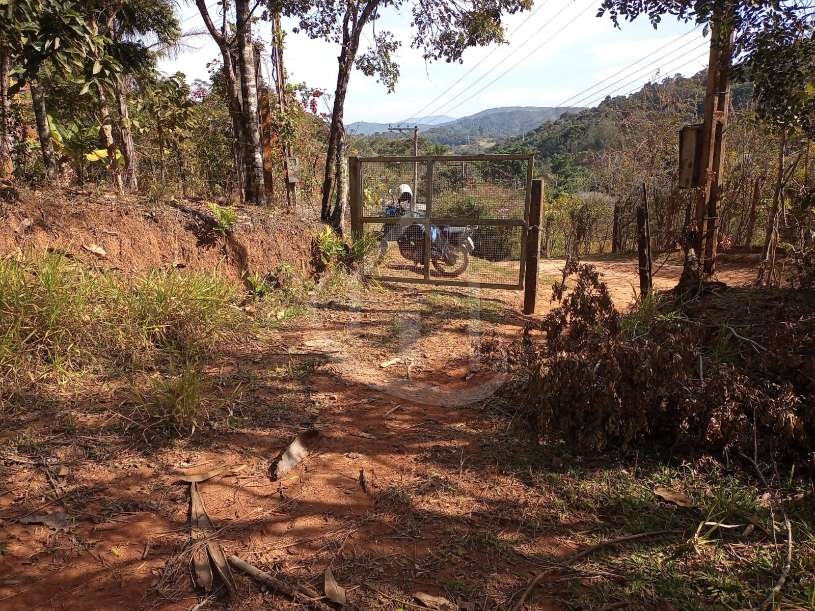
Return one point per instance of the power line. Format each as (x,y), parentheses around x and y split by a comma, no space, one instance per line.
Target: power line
(523,59)
(682,64)
(643,58)
(470,71)
(197,13)
(646,67)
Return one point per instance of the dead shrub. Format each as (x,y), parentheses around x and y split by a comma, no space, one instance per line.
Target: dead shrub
(600,380)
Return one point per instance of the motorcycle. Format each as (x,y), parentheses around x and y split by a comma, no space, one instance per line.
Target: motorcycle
(450,247)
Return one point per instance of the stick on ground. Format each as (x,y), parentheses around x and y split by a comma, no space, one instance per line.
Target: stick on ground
(292,592)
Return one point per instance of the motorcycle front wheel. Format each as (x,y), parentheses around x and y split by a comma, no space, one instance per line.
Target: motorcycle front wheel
(454,264)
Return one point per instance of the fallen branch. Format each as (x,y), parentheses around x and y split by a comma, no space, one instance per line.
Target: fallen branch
(785,572)
(756,346)
(300,594)
(586,552)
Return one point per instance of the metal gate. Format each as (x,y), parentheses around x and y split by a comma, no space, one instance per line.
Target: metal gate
(481,198)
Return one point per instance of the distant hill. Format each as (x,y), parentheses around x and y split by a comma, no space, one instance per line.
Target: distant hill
(678,99)
(495,124)
(364,128)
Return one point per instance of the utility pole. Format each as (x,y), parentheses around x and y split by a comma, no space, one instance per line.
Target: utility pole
(415,130)
(289,163)
(717,101)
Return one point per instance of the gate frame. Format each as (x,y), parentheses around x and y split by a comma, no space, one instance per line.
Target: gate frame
(528,225)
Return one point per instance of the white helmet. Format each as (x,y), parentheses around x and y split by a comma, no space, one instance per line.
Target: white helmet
(405,190)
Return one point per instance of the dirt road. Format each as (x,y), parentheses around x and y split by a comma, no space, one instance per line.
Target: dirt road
(418,484)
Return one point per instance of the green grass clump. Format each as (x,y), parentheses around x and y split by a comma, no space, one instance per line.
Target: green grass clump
(61,323)
(174,404)
(180,311)
(225,218)
(655,307)
(49,314)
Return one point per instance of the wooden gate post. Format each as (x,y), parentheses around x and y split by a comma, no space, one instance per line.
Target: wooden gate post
(533,247)
(644,245)
(355,196)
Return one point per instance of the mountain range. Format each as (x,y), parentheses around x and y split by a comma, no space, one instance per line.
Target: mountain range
(494,123)
(364,128)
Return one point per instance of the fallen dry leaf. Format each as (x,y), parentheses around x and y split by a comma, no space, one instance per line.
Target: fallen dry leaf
(296,452)
(333,591)
(433,602)
(216,555)
(59,520)
(673,496)
(95,249)
(201,476)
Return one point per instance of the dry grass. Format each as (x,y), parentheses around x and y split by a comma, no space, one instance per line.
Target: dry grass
(63,323)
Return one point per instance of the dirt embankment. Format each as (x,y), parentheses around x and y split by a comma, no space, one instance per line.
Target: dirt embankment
(130,235)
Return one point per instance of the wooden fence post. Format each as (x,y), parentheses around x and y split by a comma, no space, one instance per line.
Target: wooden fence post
(355,195)
(644,245)
(533,247)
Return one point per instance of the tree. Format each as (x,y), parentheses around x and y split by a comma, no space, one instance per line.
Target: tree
(167,101)
(237,55)
(40,33)
(253,156)
(443,29)
(739,30)
(128,23)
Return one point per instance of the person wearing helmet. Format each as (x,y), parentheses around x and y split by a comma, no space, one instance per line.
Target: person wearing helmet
(405,196)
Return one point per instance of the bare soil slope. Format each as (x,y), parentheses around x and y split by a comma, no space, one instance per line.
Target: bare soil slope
(132,236)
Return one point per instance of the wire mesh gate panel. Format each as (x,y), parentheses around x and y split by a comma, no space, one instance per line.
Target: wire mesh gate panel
(445,220)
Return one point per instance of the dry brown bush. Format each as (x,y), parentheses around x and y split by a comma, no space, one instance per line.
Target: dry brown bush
(682,376)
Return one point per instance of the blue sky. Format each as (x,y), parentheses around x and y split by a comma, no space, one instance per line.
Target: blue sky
(560,48)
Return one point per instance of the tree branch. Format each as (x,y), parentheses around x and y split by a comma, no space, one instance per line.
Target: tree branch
(216,35)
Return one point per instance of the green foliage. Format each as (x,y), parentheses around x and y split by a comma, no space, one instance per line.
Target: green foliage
(379,61)
(55,31)
(782,67)
(225,217)
(331,252)
(330,247)
(361,249)
(653,309)
(44,309)
(173,404)
(772,42)
(80,144)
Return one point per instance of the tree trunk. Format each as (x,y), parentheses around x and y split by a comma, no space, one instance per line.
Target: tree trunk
(335,135)
(182,174)
(616,240)
(765,270)
(547,239)
(106,137)
(162,169)
(341,199)
(49,158)
(131,181)
(6,138)
(751,217)
(233,91)
(253,152)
